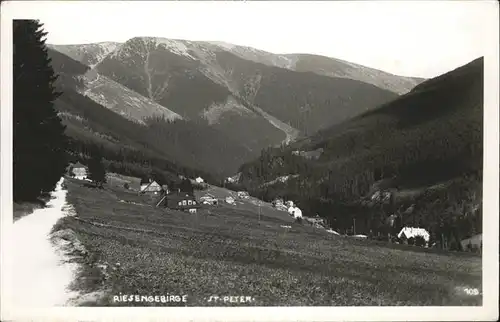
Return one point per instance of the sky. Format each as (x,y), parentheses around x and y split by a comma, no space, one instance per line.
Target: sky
(409,38)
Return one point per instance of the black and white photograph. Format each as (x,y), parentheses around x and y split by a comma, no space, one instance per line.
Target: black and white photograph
(271,160)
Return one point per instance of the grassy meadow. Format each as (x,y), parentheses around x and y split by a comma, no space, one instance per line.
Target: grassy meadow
(135,248)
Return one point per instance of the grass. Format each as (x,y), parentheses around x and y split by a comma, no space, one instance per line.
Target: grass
(226,250)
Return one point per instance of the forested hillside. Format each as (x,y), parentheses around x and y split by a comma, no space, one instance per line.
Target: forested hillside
(425,148)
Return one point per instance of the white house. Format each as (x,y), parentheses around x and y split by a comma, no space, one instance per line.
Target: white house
(79,171)
(151,187)
(280,205)
(278,201)
(243,195)
(295,212)
(199,180)
(410,232)
(209,200)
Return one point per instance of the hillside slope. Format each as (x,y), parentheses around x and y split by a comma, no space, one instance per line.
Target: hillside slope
(306,101)
(194,80)
(430,136)
(121,99)
(172,79)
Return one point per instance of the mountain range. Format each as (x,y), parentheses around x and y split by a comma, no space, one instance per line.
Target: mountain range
(214,105)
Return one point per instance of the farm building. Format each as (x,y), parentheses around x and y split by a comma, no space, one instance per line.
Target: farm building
(79,171)
(409,232)
(209,200)
(199,180)
(279,204)
(152,187)
(243,195)
(230,200)
(474,242)
(179,201)
(295,211)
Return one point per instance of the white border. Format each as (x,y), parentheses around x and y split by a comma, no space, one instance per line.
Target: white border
(489,310)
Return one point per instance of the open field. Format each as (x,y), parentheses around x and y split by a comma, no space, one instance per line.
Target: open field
(227,250)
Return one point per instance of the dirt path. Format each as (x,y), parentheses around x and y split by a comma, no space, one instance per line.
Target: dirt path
(40,275)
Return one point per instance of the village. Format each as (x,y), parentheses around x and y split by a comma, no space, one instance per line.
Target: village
(202,196)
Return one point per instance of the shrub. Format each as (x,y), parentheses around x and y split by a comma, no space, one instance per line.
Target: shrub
(419,241)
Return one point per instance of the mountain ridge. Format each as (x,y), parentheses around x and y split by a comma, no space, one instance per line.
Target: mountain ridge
(188,78)
(253,104)
(282,60)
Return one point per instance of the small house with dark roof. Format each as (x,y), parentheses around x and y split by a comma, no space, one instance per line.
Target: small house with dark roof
(181,201)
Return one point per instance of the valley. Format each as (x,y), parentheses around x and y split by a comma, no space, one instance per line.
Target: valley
(215,107)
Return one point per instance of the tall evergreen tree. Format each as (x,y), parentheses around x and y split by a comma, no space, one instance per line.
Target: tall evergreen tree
(97,172)
(39,154)
(186,186)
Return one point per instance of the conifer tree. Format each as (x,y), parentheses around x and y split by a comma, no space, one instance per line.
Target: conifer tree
(186,186)
(97,173)
(39,151)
